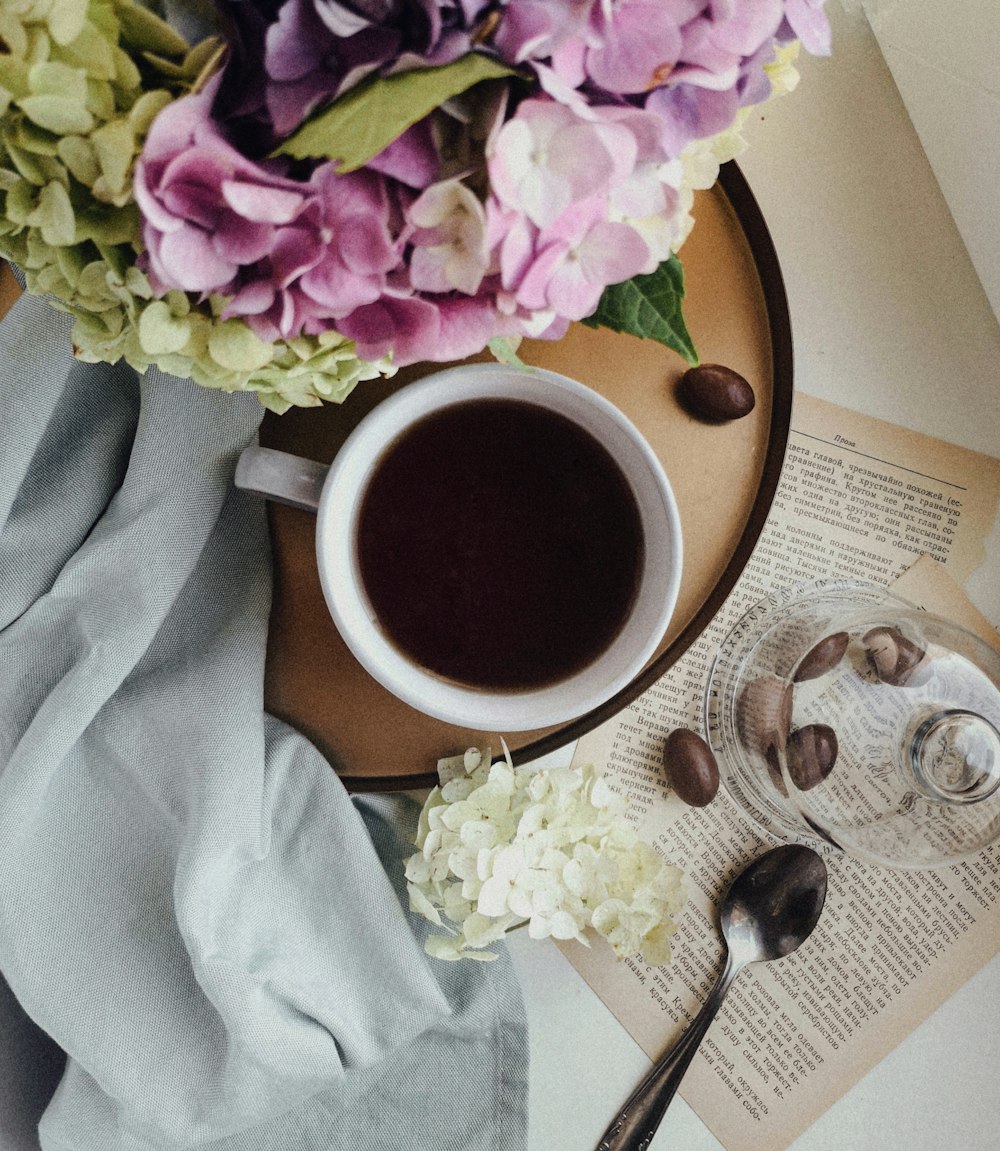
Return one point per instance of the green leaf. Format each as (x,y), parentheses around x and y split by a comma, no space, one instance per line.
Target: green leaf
(365,120)
(650,307)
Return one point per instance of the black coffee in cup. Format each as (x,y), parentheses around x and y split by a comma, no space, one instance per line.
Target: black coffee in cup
(499,544)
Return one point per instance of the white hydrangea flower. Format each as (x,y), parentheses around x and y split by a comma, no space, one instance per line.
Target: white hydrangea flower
(501,847)
(450,248)
(589,874)
(506,868)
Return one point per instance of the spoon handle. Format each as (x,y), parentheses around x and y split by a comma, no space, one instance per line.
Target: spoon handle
(635,1125)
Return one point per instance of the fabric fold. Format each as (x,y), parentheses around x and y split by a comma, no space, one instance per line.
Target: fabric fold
(191,905)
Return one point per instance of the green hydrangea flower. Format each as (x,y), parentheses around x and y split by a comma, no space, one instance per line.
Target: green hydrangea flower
(80,83)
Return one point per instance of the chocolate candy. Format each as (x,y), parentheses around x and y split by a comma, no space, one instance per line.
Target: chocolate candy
(811,754)
(894,657)
(715,393)
(764,713)
(691,767)
(774,769)
(823,657)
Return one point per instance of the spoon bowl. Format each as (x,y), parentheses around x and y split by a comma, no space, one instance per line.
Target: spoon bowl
(773,904)
(770,910)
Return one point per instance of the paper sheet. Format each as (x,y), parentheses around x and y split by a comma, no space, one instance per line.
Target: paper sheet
(943,58)
(864,499)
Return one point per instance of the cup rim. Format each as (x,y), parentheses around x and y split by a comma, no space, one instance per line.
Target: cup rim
(472,707)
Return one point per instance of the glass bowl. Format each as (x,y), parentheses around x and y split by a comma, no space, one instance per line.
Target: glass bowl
(839,712)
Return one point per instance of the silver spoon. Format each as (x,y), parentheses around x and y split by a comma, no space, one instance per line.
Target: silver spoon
(769,911)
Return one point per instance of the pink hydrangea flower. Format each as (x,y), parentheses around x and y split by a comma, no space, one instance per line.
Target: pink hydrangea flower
(356,242)
(290,254)
(536,29)
(693,62)
(718,39)
(563,218)
(415,328)
(575,260)
(547,156)
(207,209)
(634,45)
(808,23)
(322,268)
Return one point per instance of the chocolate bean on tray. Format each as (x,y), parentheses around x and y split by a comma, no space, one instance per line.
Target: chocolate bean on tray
(690,767)
(715,393)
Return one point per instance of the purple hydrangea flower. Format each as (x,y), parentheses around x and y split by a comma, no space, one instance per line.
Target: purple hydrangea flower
(324,264)
(504,214)
(318,48)
(207,209)
(693,62)
(420,328)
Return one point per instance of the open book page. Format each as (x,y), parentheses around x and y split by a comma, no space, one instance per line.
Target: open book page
(862,499)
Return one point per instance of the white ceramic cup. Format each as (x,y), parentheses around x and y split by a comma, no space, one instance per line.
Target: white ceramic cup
(335,493)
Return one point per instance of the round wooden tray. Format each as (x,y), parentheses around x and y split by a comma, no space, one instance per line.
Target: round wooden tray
(724,478)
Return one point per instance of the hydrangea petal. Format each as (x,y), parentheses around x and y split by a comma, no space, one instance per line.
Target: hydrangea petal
(235,347)
(262,204)
(187,257)
(639,48)
(809,23)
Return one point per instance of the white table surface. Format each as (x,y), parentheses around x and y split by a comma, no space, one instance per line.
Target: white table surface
(888,317)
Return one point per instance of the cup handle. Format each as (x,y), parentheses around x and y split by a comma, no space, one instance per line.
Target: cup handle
(280,476)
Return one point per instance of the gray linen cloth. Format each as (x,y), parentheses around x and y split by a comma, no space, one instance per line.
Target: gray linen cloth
(191,906)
